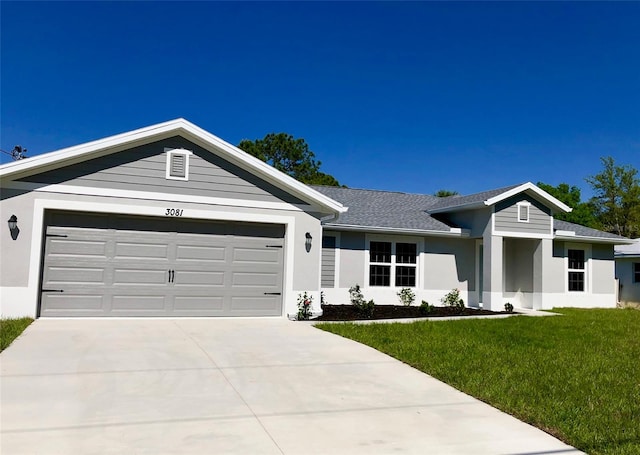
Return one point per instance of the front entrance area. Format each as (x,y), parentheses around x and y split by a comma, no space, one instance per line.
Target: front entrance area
(119,265)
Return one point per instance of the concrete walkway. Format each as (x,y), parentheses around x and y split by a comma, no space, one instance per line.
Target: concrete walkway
(243,386)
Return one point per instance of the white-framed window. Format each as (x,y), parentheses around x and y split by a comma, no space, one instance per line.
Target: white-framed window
(393,263)
(576,270)
(178,164)
(636,272)
(523,211)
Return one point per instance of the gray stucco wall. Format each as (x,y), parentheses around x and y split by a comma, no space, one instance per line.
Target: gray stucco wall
(474,220)
(518,266)
(144,169)
(602,269)
(506,216)
(352,259)
(629,291)
(449,263)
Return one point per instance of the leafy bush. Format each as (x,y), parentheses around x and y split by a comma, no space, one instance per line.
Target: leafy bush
(304,306)
(407,297)
(365,308)
(452,299)
(508,307)
(425,307)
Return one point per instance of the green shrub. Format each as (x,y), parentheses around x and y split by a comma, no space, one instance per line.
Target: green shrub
(305,302)
(364,307)
(508,307)
(407,297)
(452,299)
(425,307)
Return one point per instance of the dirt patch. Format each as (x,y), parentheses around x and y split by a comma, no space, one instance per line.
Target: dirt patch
(351,313)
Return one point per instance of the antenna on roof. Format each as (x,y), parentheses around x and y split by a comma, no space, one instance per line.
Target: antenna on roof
(18,153)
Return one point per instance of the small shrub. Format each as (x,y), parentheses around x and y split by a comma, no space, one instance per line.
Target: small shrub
(407,297)
(425,307)
(365,308)
(304,306)
(452,299)
(323,299)
(508,307)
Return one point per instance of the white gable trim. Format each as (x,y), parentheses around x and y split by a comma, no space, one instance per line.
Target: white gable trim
(101,147)
(546,197)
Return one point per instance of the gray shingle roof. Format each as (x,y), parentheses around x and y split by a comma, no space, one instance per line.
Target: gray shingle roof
(452,202)
(384,209)
(583,231)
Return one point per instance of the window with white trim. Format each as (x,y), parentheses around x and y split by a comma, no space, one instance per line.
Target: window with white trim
(523,211)
(392,262)
(178,164)
(636,272)
(576,270)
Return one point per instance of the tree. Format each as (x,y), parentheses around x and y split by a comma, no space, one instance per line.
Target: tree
(617,198)
(289,155)
(445,193)
(583,212)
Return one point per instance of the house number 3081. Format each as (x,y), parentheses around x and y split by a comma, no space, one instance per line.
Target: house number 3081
(173,212)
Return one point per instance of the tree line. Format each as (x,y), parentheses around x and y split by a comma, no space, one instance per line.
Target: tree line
(615,206)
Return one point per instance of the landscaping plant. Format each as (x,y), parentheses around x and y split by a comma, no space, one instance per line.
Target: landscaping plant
(365,308)
(304,306)
(407,297)
(508,307)
(452,299)
(426,307)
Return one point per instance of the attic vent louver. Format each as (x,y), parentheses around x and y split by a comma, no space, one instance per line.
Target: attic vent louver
(178,164)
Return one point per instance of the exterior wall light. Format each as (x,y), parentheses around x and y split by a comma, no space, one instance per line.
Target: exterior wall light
(307,242)
(13,226)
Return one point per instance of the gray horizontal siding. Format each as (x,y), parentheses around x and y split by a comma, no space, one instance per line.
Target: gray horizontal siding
(506,217)
(328,270)
(144,169)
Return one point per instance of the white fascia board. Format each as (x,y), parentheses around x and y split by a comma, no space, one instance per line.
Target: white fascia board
(92,149)
(555,203)
(585,238)
(453,232)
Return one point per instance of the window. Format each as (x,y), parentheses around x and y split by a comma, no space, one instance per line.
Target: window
(576,270)
(523,212)
(178,164)
(392,262)
(636,272)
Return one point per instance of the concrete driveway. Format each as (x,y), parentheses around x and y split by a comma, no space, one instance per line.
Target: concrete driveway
(243,386)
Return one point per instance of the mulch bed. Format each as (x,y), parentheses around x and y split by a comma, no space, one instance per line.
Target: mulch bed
(351,313)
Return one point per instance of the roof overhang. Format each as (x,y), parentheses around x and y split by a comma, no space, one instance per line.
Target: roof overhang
(571,236)
(453,232)
(178,127)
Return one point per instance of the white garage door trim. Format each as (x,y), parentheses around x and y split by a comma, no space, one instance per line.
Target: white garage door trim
(40,205)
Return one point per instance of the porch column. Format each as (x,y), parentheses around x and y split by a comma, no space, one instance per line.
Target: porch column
(541,264)
(492,272)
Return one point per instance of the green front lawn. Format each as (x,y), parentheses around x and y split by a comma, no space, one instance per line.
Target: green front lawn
(10,329)
(575,376)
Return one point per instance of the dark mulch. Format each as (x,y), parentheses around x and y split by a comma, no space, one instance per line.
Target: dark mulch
(351,313)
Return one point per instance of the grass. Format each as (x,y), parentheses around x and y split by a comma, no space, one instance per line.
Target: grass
(575,376)
(10,329)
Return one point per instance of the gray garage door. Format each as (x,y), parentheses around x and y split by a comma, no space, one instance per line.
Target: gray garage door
(106,265)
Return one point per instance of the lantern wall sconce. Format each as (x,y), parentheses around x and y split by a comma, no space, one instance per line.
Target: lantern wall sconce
(307,241)
(13,227)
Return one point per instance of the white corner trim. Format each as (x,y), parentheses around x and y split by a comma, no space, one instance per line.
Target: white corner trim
(557,204)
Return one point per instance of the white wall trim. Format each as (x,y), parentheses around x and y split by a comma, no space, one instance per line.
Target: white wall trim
(152,196)
(523,235)
(394,239)
(40,205)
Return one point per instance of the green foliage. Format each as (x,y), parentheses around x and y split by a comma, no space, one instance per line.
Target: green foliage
(508,307)
(425,307)
(445,193)
(453,300)
(365,308)
(617,198)
(289,155)
(406,296)
(574,376)
(10,329)
(583,213)
(305,303)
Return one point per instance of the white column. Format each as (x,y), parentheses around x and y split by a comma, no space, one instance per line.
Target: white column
(541,265)
(492,265)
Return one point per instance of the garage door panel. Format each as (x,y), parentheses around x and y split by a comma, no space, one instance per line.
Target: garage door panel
(211,254)
(140,266)
(138,303)
(140,277)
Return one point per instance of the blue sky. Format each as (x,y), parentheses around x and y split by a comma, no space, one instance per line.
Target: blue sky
(404,96)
